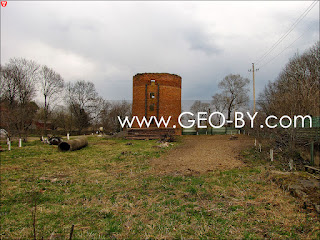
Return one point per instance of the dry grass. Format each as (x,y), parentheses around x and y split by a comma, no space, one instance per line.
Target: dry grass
(110,190)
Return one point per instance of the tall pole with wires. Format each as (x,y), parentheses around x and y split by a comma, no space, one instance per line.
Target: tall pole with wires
(254,87)
(254,90)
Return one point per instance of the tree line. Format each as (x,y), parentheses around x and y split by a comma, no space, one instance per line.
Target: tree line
(64,106)
(76,106)
(296,91)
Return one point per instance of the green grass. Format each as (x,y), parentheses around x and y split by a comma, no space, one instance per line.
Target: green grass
(109,190)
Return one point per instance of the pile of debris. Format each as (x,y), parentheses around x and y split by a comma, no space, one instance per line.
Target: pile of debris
(52,140)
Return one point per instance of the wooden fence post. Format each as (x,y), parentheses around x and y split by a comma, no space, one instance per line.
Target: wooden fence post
(312,153)
(259,147)
(271,155)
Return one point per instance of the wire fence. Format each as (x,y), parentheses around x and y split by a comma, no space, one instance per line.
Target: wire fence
(298,144)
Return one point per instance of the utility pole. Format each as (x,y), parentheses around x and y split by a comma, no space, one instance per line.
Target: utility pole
(254,90)
(254,87)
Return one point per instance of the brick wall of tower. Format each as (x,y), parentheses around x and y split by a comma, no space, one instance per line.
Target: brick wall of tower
(163,90)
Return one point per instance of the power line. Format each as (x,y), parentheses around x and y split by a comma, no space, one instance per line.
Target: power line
(288,32)
(282,51)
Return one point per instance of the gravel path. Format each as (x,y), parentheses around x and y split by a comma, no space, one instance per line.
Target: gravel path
(201,154)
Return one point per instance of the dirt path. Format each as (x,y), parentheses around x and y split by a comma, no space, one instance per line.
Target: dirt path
(200,154)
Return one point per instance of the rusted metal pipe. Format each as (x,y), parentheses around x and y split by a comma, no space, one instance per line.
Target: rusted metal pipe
(74,144)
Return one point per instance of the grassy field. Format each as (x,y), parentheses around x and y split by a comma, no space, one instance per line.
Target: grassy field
(109,191)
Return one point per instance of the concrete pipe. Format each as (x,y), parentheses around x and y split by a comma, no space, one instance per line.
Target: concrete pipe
(74,144)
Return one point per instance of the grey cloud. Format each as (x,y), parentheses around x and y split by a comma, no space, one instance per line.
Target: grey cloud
(120,39)
(201,41)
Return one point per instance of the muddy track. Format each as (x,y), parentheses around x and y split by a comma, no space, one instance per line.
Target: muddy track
(202,154)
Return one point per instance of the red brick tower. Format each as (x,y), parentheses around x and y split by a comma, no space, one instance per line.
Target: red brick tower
(159,95)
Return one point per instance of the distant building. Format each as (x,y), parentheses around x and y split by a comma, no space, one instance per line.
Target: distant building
(39,125)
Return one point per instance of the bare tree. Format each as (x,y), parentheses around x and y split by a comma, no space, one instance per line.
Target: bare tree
(19,78)
(3,83)
(296,91)
(235,92)
(82,99)
(62,119)
(110,113)
(197,107)
(219,104)
(8,88)
(51,86)
(96,113)
(297,88)
(104,116)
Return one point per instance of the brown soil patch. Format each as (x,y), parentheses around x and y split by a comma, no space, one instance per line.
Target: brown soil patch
(201,154)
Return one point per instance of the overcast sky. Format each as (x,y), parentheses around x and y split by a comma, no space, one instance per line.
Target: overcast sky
(109,42)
